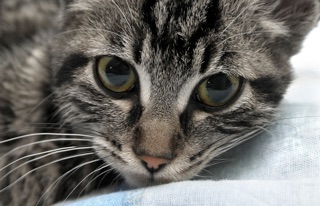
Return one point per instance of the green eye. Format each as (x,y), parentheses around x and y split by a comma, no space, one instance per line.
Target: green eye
(115,75)
(218,90)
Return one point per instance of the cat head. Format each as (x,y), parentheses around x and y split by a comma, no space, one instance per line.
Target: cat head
(166,86)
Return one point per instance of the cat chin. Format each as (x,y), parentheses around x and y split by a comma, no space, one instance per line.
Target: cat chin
(137,181)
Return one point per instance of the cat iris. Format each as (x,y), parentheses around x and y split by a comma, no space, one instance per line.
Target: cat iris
(116,75)
(218,90)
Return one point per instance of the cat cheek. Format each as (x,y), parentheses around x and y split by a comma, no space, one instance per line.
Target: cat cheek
(199,116)
(124,105)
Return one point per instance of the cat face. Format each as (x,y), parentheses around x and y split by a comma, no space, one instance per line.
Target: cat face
(166,86)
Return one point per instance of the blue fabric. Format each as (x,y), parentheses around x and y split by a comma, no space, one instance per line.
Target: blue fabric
(120,198)
(224,193)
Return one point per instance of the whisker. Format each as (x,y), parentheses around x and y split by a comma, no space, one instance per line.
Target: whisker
(245,33)
(290,118)
(43,141)
(37,106)
(70,172)
(50,163)
(90,179)
(124,16)
(49,134)
(35,124)
(233,20)
(116,180)
(103,173)
(202,177)
(213,163)
(36,154)
(42,157)
(85,179)
(130,10)
(251,54)
(263,129)
(104,176)
(54,128)
(23,131)
(231,144)
(91,29)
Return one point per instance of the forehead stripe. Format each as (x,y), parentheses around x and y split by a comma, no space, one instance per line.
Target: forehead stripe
(211,22)
(137,48)
(148,17)
(207,55)
(167,39)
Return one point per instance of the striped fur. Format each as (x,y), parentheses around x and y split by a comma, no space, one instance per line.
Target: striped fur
(48,86)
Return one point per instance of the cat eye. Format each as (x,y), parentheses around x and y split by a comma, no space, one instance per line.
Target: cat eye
(115,74)
(218,90)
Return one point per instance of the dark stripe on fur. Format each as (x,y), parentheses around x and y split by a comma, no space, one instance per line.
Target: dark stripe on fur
(148,17)
(206,59)
(116,144)
(116,36)
(137,135)
(224,130)
(168,40)
(242,123)
(94,94)
(212,23)
(270,89)
(134,114)
(185,120)
(177,43)
(85,107)
(69,66)
(5,109)
(227,56)
(137,47)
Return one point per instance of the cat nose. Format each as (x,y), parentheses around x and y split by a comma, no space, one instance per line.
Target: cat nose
(153,164)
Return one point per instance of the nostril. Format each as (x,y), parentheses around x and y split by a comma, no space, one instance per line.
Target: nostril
(153,164)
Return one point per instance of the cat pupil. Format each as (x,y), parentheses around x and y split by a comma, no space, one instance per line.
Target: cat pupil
(117,72)
(219,88)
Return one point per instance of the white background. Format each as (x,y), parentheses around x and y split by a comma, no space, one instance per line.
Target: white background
(306,85)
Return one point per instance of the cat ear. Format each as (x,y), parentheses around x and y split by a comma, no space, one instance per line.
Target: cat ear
(297,16)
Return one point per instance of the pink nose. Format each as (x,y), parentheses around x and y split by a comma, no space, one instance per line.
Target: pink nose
(153,164)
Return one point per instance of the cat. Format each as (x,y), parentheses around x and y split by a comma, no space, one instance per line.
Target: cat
(93,93)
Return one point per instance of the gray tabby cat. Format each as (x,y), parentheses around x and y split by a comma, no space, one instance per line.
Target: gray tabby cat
(147,90)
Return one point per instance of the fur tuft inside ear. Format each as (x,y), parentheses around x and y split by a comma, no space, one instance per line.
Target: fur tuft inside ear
(299,17)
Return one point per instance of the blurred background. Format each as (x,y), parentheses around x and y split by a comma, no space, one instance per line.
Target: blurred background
(306,85)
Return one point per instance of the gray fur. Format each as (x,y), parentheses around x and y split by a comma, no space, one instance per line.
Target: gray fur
(47,85)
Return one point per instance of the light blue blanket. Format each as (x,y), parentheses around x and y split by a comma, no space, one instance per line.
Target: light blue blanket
(224,193)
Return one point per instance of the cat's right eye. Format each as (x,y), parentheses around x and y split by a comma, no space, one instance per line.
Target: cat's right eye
(115,74)
(218,90)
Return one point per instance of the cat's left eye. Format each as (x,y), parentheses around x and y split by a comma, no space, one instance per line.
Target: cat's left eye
(218,90)
(115,74)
